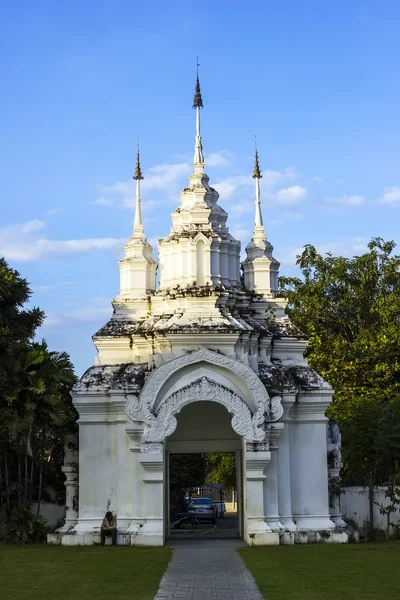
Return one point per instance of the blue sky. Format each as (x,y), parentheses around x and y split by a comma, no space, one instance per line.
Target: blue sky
(317,82)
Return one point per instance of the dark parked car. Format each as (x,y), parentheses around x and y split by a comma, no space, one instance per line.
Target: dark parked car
(203,509)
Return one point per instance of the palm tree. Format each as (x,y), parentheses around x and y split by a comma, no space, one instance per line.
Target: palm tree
(40,414)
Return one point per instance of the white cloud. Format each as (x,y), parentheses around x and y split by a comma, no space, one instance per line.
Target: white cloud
(245,206)
(244,235)
(345,201)
(272,178)
(163,176)
(230,186)
(284,218)
(168,179)
(222,158)
(53,286)
(30,226)
(103,201)
(391,196)
(99,307)
(291,195)
(54,211)
(98,310)
(317,179)
(23,242)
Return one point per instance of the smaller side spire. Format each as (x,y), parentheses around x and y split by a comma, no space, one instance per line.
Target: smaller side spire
(258,220)
(138,228)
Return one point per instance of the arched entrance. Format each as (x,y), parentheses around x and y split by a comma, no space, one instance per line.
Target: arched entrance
(203,428)
(205,378)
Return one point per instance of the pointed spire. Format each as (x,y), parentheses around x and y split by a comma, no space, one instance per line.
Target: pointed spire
(258,220)
(256,172)
(197,100)
(198,148)
(138,228)
(138,172)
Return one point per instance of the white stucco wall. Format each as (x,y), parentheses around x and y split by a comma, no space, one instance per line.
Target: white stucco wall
(53,513)
(355,506)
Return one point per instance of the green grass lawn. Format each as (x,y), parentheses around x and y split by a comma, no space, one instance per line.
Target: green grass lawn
(326,572)
(81,573)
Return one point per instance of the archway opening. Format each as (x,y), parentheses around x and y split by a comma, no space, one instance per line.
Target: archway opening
(203,469)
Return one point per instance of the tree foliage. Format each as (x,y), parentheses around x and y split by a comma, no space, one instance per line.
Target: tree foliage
(36,413)
(17,324)
(350,309)
(185,471)
(221,468)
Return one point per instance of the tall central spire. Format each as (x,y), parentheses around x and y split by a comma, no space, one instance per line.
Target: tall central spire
(138,228)
(198,148)
(258,221)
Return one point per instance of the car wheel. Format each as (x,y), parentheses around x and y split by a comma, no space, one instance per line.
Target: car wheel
(214,521)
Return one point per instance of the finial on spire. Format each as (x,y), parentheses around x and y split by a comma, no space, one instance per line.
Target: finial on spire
(138,172)
(138,229)
(256,172)
(197,100)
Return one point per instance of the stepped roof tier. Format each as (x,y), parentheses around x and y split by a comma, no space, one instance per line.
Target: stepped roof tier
(204,295)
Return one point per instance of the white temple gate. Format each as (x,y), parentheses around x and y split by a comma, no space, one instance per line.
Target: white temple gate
(212,330)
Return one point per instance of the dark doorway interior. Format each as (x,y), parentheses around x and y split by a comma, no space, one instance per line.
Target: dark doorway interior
(203,495)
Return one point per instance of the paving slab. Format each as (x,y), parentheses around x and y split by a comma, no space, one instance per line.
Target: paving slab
(207,570)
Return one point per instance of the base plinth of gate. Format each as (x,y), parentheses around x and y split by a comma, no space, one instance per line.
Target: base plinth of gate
(260,538)
(263,538)
(321,537)
(151,534)
(86,539)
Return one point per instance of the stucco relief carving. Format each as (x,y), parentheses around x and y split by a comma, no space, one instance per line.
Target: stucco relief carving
(257,391)
(134,408)
(161,422)
(164,423)
(152,448)
(274,410)
(257,447)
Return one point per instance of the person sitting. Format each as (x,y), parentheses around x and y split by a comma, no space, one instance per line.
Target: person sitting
(109,527)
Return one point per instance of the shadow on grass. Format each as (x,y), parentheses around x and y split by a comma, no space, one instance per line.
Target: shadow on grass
(326,572)
(41,572)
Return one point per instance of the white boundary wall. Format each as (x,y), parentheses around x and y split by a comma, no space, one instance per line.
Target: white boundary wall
(355,506)
(51,512)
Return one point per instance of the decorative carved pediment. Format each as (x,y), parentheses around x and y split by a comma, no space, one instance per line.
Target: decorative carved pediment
(164,423)
(157,410)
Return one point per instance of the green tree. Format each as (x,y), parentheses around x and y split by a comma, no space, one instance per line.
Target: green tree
(185,471)
(350,310)
(221,468)
(36,413)
(17,324)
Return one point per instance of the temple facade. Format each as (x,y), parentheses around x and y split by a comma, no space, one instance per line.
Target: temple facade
(202,360)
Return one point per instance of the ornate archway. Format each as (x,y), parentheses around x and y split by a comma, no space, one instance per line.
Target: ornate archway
(203,375)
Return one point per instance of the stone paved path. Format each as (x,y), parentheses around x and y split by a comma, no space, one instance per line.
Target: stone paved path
(207,570)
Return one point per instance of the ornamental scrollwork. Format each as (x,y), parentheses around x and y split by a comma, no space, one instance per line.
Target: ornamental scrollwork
(257,391)
(134,408)
(152,448)
(160,426)
(275,409)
